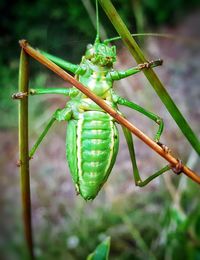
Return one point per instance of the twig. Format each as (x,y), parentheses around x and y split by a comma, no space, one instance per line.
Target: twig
(63,74)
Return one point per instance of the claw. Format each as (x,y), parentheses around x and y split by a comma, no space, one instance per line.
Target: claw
(144,65)
(19,95)
(164,147)
(178,168)
(150,64)
(155,63)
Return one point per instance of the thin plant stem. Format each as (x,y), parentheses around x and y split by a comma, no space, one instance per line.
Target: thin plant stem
(120,119)
(150,74)
(136,235)
(23,150)
(139,17)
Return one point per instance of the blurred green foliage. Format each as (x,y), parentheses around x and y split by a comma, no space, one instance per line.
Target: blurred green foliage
(64,28)
(141,226)
(159,12)
(101,252)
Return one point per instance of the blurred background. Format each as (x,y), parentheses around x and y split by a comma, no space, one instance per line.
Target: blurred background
(159,221)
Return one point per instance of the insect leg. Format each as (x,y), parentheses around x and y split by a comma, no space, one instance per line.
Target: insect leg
(59,115)
(136,174)
(62,91)
(117,75)
(38,91)
(60,62)
(155,118)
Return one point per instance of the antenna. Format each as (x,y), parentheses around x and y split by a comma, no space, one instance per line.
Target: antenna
(97,40)
(164,35)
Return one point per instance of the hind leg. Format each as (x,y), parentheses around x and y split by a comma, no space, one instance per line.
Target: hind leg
(138,181)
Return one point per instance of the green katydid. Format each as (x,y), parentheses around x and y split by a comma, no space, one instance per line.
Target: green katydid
(92,136)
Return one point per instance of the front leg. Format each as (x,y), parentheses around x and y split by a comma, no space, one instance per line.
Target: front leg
(60,62)
(74,68)
(117,75)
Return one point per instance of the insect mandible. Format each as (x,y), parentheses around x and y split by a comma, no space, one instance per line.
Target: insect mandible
(92,136)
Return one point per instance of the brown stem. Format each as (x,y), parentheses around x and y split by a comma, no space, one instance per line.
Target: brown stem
(23,149)
(63,74)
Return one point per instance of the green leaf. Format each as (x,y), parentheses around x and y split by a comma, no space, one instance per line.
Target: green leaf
(101,252)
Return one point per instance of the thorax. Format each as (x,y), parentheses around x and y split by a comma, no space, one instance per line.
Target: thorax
(95,78)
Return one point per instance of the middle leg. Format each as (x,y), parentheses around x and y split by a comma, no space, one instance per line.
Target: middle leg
(158,120)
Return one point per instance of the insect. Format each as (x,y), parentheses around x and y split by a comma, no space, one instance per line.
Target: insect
(92,140)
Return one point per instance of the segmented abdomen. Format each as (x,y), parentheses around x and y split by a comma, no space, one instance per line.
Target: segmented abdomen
(92,145)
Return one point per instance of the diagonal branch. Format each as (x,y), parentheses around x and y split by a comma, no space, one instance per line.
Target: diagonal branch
(152,144)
